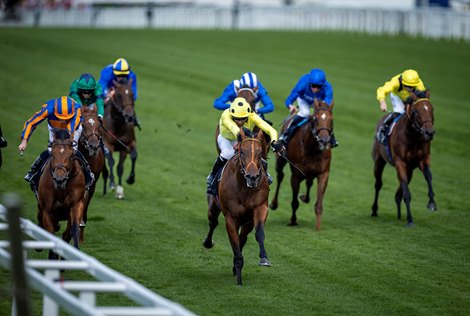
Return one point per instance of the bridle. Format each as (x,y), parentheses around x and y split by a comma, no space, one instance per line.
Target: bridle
(316,131)
(250,181)
(415,118)
(85,138)
(120,108)
(61,166)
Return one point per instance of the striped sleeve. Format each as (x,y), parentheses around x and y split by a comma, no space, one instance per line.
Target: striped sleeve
(31,124)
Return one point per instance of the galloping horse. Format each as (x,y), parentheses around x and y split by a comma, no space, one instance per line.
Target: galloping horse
(119,126)
(61,190)
(90,146)
(243,199)
(409,148)
(309,152)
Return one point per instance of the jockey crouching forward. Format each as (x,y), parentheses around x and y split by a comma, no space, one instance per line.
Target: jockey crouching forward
(238,116)
(60,113)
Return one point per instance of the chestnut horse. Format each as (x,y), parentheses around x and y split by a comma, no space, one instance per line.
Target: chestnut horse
(409,148)
(91,148)
(61,190)
(118,123)
(243,199)
(309,153)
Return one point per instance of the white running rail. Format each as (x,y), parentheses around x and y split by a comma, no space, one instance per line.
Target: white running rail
(44,276)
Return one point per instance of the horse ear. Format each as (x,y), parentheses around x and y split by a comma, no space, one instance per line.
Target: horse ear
(115,83)
(331,105)
(130,80)
(427,93)
(255,89)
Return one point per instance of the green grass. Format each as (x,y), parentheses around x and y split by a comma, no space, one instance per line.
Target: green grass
(355,265)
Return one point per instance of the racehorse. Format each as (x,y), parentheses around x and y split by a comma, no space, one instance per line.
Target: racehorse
(309,153)
(91,148)
(61,190)
(119,134)
(409,147)
(243,199)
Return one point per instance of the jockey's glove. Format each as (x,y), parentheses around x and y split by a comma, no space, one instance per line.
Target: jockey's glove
(277,147)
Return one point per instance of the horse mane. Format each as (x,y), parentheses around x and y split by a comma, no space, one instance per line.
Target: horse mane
(62,134)
(247,133)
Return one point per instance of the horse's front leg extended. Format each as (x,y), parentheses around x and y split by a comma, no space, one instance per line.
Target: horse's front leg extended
(280,163)
(131,178)
(402,174)
(322,184)
(428,176)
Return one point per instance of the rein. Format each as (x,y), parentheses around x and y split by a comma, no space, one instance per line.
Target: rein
(417,126)
(242,167)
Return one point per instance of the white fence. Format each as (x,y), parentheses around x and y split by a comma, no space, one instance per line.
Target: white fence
(429,23)
(58,293)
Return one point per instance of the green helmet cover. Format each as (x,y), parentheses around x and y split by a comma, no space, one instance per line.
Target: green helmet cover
(86,82)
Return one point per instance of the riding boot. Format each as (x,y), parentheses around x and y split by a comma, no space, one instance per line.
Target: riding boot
(294,124)
(32,175)
(89,176)
(218,164)
(383,129)
(265,167)
(333,142)
(3,142)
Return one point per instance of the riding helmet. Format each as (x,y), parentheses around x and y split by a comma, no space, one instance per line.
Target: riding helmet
(410,78)
(249,79)
(239,108)
(316,77)
(121,67)
(65,107)
(86,82)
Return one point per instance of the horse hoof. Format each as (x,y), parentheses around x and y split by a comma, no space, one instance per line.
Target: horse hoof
(304,198)
(119,192)
(373,215)
(293,224)
(273,206)
(410,225)
(207,244)
(264,262)
(130,180)
(432,207)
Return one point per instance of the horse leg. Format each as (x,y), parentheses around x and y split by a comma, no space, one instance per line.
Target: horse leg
(131,178)
(306,197)
(76,215)
(238,261)
(398,199)
(213,217)
(111,168)
(402,174)
(280,163)
(379,165)
(428,176)
(295,184)
(105,178)
(48,225)
(262,214)
(322,184)
(120,166)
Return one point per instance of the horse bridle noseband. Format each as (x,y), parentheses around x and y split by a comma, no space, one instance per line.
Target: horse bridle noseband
(414,117)
(61,166)
(315,131)
(242,167)
(84,139)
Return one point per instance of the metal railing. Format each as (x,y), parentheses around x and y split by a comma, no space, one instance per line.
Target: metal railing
(45,276)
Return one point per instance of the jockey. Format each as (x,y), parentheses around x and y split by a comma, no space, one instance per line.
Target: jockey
(239,115)
(120,72)
(64,113)
(310,86)
(400,88)
(86,91)
(248,80)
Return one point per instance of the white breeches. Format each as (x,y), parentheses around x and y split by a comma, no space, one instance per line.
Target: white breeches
(397,103)
(226,147)
(304,107)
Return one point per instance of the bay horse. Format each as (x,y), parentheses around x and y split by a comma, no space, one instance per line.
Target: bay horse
(243,199)
(409,148)
(119,134)
(90,145)
(309,152)
(61,190)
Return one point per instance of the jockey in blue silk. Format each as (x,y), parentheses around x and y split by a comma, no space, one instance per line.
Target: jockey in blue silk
(310,86)
(249,80)
(120,72)
(64,113)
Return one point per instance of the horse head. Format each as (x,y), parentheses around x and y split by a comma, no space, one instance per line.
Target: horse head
(91,133)
(420,114)
(248,94)
(123,100)
(250,150)
(322,123)
(62,154)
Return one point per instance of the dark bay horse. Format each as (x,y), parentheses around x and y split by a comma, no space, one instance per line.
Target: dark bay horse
(243,199)
(409,148)
(61,190)
(309,152)
(118,123)
(90,146)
